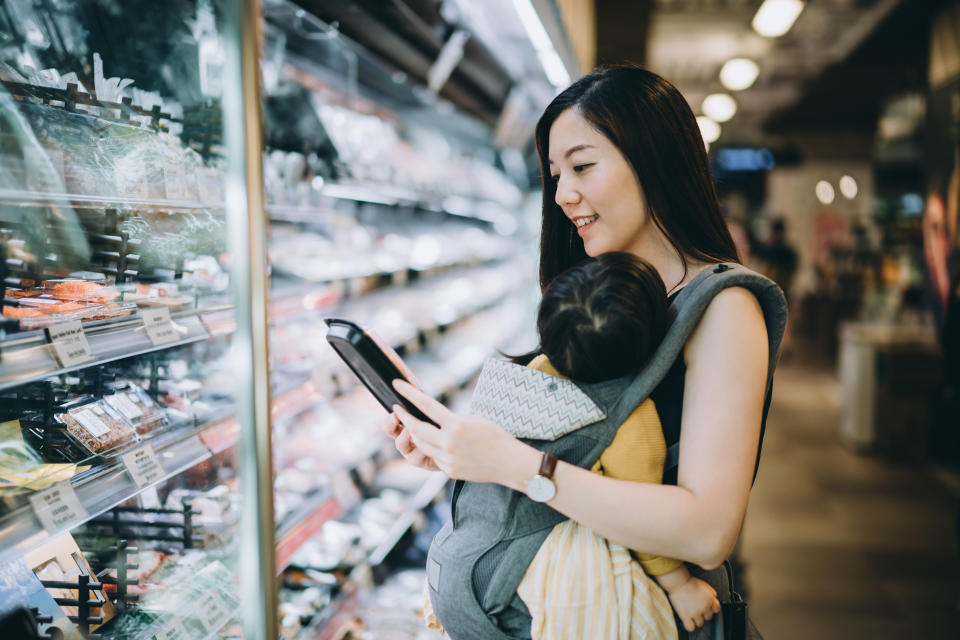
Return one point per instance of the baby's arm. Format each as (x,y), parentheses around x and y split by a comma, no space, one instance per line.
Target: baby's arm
(694,600)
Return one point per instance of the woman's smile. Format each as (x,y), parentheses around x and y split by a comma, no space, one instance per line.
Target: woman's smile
(585,223)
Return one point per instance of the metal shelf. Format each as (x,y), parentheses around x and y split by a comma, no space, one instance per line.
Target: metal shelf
(374,193)
(18,197)
(433,485)
(177,450)
(29,357)
(20,530)
(303,524)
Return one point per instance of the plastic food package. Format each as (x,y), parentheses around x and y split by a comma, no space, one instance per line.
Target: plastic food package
(137,409)
(74,289)
(156,294)
(97,428)
(64,300)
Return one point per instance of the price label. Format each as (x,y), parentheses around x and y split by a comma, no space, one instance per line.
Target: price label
(213,612)
(144,466)
(367,470)
(70,343)
(149,499)
(91,423)
(344,491)
(172,630)
(58,508)
(159,327)
(125,405)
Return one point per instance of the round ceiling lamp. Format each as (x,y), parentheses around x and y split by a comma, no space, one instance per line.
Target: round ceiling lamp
(719,106)
(848,187)
(738,74)
(825,192)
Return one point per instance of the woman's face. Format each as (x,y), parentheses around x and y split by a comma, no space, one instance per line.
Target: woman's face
(596,188)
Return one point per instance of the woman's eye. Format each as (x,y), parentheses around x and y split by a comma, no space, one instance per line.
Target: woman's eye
(554,177)
(580,168)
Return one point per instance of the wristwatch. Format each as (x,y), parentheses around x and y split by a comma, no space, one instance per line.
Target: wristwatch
(540,488)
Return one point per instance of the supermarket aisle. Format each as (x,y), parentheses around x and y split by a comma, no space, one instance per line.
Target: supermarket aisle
(839,545)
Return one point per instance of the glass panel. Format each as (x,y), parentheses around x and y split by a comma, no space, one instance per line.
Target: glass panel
(118,473)
(386,209)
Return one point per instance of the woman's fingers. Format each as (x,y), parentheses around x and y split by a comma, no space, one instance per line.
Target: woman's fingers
(404,444)
(430,407)
(391,425)
(423,435)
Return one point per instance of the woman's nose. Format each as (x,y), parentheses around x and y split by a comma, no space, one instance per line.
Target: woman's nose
(566,194)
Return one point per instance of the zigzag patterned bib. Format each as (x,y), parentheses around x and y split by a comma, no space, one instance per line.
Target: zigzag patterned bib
(530,403)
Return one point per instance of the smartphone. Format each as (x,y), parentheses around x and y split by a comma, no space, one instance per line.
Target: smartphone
(372,362)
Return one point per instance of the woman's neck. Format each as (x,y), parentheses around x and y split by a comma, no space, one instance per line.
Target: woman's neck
(668,263)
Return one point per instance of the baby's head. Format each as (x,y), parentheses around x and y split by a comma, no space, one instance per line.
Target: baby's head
(603,318)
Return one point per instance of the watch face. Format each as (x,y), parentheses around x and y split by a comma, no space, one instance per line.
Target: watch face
(541,489)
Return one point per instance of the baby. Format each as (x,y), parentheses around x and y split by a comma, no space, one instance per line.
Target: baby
(601,320)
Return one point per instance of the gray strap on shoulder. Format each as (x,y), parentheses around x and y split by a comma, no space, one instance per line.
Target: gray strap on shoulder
(686,311)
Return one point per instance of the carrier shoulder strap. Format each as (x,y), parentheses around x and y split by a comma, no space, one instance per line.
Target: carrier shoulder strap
(685,311)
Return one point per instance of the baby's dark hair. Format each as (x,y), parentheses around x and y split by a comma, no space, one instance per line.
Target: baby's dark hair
(603,318)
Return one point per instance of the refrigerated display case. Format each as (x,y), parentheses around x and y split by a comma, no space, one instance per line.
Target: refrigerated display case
(120,487)
(144,449)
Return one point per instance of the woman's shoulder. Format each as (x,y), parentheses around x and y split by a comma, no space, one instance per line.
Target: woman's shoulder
(733,318)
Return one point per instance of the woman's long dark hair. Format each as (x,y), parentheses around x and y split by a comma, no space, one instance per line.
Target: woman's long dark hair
(652,125)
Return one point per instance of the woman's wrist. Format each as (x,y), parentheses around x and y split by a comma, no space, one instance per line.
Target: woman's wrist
(524,463)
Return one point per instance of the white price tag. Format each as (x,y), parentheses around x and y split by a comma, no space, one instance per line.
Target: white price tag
(172,630)
(58,508)
(144,466)
(344,491)
(122,403)
(367,470)
(213,612)
(70,343)
(91,423)
(149,499)
(159,327)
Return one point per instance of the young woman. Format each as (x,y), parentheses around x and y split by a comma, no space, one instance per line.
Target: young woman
(625,169)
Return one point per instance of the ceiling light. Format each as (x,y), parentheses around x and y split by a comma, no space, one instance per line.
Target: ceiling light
(549,58)
(709,129)
(738,73)
(825,192)
(848,187)
(775,17)
(719,106)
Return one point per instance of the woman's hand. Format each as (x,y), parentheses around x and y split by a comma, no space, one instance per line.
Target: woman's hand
(401,440)
(464,447)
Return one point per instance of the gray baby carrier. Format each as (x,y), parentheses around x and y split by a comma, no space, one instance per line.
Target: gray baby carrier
(477,561)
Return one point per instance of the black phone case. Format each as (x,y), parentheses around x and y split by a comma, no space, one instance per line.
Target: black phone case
(370,364)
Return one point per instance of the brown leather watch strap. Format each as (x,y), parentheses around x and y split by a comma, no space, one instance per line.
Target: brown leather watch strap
(548,465)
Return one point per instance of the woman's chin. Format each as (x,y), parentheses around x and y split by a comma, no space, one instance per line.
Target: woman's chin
(594,249)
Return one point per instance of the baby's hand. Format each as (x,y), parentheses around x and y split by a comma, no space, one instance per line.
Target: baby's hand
(695,602)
